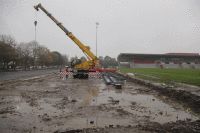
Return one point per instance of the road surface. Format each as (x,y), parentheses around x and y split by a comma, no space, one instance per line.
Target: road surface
(22,74)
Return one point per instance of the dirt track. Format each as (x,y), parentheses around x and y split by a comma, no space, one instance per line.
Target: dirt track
(54,104)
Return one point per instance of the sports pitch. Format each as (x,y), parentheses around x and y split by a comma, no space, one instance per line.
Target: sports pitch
(190,76)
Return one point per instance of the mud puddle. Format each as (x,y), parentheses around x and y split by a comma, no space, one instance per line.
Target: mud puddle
(116,107)
(145,106)
(48,104)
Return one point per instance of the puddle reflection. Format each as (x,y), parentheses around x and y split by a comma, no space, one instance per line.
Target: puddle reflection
(146,106)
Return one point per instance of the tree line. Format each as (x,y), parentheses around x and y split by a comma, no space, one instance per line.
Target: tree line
(32,54)
(28,54)
(107,61)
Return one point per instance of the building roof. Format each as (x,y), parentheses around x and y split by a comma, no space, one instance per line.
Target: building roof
(168,54)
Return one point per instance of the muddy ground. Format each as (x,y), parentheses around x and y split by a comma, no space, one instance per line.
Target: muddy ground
(58,104)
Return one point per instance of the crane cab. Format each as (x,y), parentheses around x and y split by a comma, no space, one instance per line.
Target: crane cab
(75,62)
(78,72)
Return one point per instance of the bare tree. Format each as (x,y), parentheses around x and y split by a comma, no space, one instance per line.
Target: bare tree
(108,61)
(44,55)
(25,54)
(54,58)
(101,61)
(8,39)
(66,59)
(8,54)
(60,60)
(34,45)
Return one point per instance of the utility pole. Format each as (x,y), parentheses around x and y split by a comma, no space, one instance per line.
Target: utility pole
(35,29)
(96,36)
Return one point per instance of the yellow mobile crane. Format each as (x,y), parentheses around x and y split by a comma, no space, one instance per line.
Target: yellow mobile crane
(79,69)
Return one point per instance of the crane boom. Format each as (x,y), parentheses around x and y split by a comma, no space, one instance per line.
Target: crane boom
(93,60)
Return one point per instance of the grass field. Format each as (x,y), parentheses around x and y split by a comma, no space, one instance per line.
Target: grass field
(190,76)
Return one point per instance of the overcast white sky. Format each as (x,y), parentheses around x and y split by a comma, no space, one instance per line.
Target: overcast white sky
(125,26)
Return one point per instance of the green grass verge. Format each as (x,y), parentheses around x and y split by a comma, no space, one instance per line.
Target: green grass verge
(190,76)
